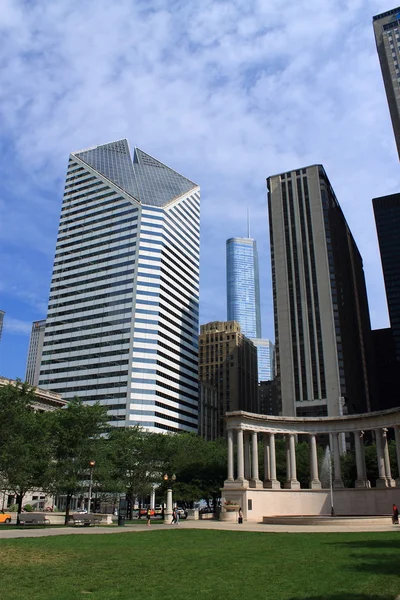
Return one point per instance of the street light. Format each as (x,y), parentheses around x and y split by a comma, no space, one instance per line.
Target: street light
(168,512)
(91,467)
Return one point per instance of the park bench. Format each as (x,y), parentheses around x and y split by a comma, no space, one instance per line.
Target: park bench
(33,519)
(85,519)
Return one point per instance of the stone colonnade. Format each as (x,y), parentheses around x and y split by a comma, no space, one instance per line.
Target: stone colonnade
(249,430)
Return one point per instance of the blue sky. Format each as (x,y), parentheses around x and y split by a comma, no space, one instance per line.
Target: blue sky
(227,93)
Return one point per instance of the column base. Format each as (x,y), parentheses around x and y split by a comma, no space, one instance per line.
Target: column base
(362,483)
(391,482)
(272,484)
(230,483)
(338,483)
(292,485)
(242,481)
(315,484)
(255,483)
(381,483)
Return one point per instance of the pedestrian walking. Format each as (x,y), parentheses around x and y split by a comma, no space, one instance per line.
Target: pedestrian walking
(395,515)
(240,516)
(148,516)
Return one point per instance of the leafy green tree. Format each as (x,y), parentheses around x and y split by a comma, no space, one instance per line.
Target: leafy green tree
(131,462)
(25,434)
(77,434)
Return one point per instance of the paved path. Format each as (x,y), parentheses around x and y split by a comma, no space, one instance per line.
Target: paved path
(206,524)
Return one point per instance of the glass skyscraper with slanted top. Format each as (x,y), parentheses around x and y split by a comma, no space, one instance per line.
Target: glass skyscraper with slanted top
(122,321)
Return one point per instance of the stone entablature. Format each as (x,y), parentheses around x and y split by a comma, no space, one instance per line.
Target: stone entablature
(45,399)
(317,425)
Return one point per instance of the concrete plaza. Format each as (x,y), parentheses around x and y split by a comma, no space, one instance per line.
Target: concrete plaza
(6,533)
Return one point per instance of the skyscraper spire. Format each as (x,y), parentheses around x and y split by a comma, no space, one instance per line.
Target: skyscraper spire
(248,223)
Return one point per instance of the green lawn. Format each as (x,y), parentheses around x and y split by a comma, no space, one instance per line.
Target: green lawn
(197,564)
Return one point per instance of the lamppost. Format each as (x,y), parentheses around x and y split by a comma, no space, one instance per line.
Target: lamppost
(91,467)
(168,512)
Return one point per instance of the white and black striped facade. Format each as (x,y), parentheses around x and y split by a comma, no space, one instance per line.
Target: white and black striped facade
(122,323)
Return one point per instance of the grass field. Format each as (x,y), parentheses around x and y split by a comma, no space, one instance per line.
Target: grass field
(193,564)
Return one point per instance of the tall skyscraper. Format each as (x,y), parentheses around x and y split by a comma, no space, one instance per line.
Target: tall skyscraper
(2,313)
(265,358)
(228,362)
(243,298)
(35,352)
(322,328)
(122,322)
(242,285)
(387,219)
(387,37)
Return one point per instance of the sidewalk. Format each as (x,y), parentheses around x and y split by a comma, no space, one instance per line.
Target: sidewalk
(206,524)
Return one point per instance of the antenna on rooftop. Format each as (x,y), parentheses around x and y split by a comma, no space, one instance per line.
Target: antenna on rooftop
(248,224)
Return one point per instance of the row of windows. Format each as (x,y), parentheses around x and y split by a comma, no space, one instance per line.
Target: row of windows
(166,356)
(158,322)
(95,299)
(71,173)
(85,272)
(83,265)
(184,413)
(179,382)
(78,179)
(113,215)
(89,282)
(101,334)
(79,256)
(81,347)
(150,413)
(87,292)
(182,402)
(113,237)
(57,332)
(109,375)
(97,365)
(98,355)
(83,388)
(93,193)
(110,208)
(168,240)
(103,261)
(107,228)
(87,202)
(70,210)
(175,342)
(67,195)
(94,306)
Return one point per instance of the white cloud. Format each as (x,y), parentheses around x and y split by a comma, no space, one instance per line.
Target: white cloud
(17,326)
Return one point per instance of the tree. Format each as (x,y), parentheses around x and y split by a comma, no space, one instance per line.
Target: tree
(77,439)
(24,441)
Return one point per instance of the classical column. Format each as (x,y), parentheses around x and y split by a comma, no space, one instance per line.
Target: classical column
(273,484)
(397,438)
(368,483)
(255,479)
(315,483)
(361,481)
(292,482)
(288,472)
(247,472)
(388,470)
(337,482)
(267,459)
(240,456)
(230,456)
(381,482)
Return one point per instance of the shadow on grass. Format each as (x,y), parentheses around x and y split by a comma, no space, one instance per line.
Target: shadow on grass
(344,597)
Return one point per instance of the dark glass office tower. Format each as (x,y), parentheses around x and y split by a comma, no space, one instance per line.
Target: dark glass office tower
(387,219)
(387,37)
(322,328)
